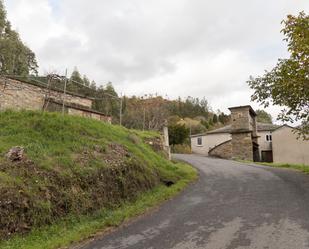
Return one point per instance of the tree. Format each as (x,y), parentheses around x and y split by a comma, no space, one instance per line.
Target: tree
(223,118)
(263,117)
(15,57)
(215,119)
(287,84)
(178,134)
(76,77)
(86,81)
(93,85)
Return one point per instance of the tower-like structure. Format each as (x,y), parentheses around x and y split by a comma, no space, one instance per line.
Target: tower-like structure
(244,133)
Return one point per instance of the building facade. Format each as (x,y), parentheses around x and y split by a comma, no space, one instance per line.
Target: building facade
(244,139)
(289,147)
(248,140)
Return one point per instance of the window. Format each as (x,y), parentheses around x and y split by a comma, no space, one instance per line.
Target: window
(268,138)
(199,141)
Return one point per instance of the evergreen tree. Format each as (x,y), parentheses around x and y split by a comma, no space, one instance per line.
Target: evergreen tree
(76,77)
(86,81)
(215,119)
(15,57)
(93,85)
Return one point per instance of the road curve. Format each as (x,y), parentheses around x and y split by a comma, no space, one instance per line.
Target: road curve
(233,205)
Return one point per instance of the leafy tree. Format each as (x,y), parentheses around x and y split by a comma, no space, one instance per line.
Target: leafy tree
(263,117)
(287,84)
(15,57)
(206,124)
(178,134)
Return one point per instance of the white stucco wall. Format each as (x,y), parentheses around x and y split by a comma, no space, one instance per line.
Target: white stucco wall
(264,145)
(208,141)
(288,149)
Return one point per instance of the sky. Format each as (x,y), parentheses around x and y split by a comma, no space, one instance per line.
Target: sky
(198,48)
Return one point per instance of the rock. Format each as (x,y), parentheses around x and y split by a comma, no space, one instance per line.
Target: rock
(15,154)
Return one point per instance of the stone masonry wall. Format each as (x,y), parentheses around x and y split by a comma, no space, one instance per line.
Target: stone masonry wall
(18,95)
(86,114)
(223,150)
(242,147)
(240,119)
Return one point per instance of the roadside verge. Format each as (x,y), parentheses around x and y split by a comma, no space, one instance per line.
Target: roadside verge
(73,229)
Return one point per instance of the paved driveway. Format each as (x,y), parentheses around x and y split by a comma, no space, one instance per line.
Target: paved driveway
(231,206)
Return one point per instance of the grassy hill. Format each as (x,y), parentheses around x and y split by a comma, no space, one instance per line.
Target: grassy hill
(73,167)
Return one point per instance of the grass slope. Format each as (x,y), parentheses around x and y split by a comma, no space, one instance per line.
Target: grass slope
(79,175)
(300,167)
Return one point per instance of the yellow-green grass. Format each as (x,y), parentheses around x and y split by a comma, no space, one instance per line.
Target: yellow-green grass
(300,167)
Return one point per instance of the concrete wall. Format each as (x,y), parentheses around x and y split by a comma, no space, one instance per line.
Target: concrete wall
(264,145)
(223,150)
(288,149)
(209,141)
(19,95)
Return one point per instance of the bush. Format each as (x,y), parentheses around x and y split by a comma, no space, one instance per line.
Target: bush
(181,149)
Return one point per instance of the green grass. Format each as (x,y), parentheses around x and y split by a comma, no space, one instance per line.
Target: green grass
(65,185)
(73,229)
(300,167)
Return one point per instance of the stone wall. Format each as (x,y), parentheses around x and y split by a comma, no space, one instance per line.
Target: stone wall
(19,95)
(242,147)
(244,133)
(88,114)
(240,119)
(223,150)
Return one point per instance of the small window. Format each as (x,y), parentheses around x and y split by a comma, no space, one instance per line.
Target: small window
(199,141)
(268,138)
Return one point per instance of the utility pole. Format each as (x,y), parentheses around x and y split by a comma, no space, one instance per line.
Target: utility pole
(120,111)
(144,119)
(64,91)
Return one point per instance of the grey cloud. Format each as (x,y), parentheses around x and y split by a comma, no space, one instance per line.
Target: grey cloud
(175,47)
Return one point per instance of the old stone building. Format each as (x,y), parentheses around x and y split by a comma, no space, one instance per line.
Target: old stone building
(248,140)
(244,133)
(243,139)
(19,94)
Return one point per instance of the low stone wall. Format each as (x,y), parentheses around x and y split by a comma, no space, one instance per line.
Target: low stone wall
(223,150)
(88,114)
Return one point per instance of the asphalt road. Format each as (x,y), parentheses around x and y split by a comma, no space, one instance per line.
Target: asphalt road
(231,206)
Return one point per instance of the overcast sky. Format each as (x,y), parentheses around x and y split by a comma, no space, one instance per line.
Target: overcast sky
(171,47)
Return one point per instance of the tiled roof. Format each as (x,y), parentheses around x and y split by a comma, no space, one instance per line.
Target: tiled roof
(225,129)
(266,127)
(260,127)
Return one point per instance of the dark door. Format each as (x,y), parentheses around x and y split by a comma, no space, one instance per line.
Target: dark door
(256,154)
(267,156)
